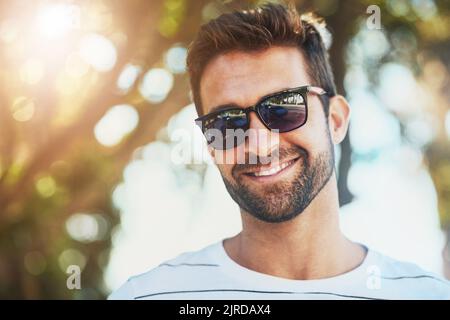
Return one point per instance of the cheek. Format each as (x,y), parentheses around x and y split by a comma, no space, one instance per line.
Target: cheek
(225,170)
(313,136)
(226,160)
(230,156)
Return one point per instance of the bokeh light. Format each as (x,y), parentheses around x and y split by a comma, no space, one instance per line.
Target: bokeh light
(382,131)
(398,7)
(156,85)
(128,77)
(98,51)
(46,186)
(35,262)
(398,89)
(23,109)
(425,9)
(85,227)
(71,257)
(421,131)
(115,124)
(175,59)
(54,21)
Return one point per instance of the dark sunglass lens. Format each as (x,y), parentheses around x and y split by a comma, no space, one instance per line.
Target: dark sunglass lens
(284,112)
(222,132)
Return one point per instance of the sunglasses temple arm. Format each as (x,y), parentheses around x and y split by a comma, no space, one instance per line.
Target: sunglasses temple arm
(316,90)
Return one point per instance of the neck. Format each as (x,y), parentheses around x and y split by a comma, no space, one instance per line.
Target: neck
(310,246)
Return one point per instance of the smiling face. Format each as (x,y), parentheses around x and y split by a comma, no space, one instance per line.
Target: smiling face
(282,189)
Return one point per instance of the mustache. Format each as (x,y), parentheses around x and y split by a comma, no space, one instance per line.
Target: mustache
(261,161)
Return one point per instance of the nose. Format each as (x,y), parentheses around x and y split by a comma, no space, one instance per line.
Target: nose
(261,141)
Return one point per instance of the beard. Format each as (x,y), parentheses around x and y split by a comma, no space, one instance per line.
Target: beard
(284,200)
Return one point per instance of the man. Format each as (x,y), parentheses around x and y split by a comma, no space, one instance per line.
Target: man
(290,246)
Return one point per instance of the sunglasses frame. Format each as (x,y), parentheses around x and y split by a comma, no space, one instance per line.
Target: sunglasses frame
(303,90)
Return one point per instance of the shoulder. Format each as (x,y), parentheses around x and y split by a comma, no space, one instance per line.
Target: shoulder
(170,275)
(408,279)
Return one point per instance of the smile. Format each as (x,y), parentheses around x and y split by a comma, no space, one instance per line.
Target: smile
(273,170)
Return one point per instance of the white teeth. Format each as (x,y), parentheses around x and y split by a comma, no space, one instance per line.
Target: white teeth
(273,170)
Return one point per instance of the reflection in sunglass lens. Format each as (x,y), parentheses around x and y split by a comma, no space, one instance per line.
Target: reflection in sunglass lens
(284,112)
(220,128)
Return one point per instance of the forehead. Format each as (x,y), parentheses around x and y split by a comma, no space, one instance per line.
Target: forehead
(243,77)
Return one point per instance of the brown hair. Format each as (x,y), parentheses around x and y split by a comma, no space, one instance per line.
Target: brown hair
(259,29)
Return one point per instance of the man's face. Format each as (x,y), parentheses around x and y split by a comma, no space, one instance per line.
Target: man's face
(282,189)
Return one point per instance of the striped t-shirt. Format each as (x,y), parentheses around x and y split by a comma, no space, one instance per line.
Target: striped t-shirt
(211,274)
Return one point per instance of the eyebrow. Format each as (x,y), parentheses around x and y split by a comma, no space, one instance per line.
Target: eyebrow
(236,106)
(225,107)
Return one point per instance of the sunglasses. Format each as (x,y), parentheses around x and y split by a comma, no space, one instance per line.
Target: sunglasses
(283,111)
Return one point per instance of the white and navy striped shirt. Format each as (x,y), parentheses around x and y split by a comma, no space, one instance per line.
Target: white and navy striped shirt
(211,274)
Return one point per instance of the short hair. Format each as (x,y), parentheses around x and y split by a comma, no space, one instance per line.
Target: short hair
(257,30)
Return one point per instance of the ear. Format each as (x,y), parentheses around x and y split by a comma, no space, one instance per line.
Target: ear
(338,118)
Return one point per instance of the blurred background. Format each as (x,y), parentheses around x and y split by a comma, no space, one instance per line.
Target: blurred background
(94,95)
